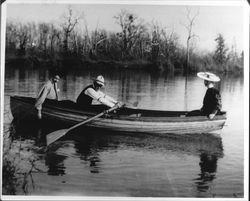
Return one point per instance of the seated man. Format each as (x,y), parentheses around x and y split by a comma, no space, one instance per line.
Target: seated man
(92,92)
(212,100)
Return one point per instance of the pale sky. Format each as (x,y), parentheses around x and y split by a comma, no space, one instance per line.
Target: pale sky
(211,20)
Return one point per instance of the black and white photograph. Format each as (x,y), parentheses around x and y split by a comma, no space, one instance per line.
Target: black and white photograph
(124,100)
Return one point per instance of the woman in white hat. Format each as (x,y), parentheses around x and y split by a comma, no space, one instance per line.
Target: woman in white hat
(93,92)
(212,100)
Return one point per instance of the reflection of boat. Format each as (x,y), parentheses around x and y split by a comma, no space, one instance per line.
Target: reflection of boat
(126,120)
(192,144)
(90,144)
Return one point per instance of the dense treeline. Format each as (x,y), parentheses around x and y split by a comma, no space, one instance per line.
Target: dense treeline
(136,44)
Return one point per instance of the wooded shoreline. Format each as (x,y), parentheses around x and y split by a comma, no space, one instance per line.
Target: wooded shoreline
(137,45)
(76,63)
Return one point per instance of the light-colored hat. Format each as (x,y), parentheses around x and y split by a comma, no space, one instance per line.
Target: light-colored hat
(100,80)
(208,76)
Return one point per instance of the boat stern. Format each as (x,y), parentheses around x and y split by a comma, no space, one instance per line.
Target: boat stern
(22,108)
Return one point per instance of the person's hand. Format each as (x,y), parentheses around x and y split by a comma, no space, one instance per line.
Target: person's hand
(119,104)
(211,116)
(39,114)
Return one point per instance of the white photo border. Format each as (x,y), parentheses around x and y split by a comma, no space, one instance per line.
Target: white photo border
(242,3)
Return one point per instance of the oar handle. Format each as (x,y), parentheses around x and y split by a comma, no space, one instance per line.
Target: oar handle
(95,117)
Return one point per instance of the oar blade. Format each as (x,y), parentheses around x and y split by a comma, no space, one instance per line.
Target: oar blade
(52,137)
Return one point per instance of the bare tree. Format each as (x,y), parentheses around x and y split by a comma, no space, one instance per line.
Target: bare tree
(169,49)
(132,28)
(100,41)
(43,30)
(23,37)
(97,37)
(163,45)
(143,42)
(70,21)
(189,26)
(54,37)
(156,38)
(11,34)
(87,43)
(113,46)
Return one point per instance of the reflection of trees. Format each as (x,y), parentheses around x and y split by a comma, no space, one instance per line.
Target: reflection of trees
(126,84)
(231,83)
(231,89)
(150,89)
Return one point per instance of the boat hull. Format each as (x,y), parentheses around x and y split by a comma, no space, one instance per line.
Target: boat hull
(130,120)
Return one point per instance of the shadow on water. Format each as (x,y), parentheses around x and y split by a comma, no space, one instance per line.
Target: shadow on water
(208,167)
(207,147)
(88,144)
(55,164)
(24,147)
(190,144)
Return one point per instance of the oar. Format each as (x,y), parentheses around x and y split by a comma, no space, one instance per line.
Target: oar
(52,137)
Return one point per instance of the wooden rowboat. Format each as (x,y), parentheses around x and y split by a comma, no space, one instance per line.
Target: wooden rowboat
(125,120)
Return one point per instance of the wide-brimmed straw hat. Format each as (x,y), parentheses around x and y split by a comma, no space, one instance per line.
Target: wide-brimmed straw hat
(208,76)
(99,80)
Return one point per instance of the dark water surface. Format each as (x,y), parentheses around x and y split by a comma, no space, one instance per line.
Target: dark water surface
(109,164)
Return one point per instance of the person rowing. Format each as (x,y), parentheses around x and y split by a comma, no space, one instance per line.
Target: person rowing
(212,99)
(93,92)
(84,101)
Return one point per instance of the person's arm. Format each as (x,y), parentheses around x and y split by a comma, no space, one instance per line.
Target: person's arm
(99,96)
(218,101)
(109,98)
(57,90)
(217,107)
(41,97)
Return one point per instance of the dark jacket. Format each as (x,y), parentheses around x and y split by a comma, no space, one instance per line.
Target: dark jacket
(211,102)
(84,100)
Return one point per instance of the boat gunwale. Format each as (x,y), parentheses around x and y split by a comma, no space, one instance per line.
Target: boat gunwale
(117,116)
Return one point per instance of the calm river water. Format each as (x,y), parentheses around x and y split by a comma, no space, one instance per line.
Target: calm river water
(108,164)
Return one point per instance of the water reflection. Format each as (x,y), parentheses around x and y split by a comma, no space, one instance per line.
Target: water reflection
(33,129)
(88,144)
(208,167)
(89,153)
(150,90)
(55,164)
